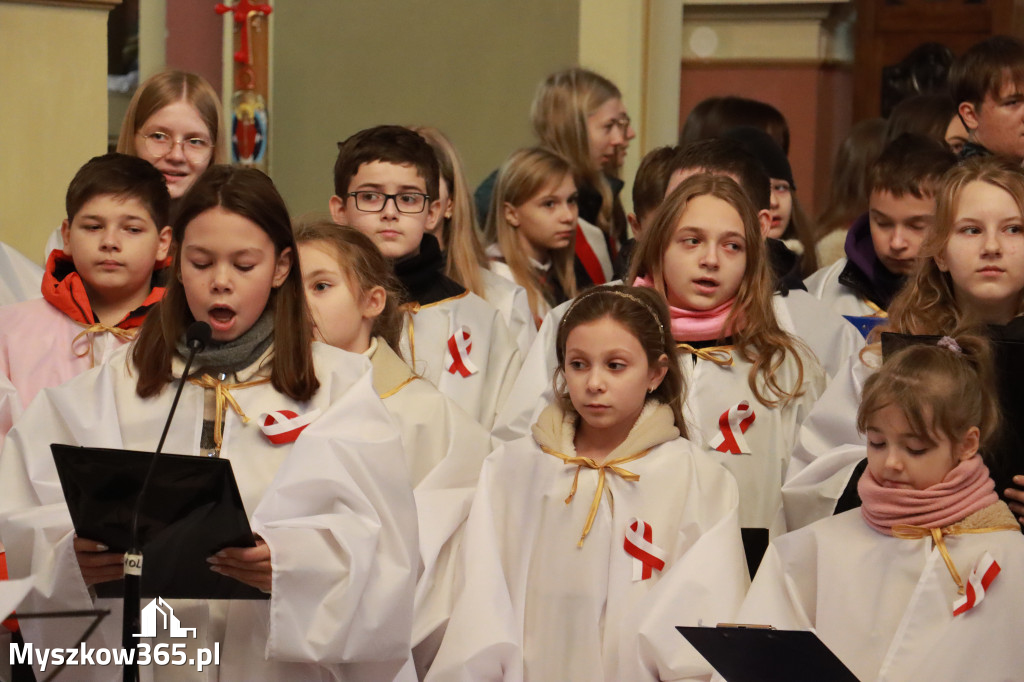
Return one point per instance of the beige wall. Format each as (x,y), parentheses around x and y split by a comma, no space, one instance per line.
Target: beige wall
(53,113)
(469,67)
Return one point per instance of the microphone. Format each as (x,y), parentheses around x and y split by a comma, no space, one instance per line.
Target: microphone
(197,336)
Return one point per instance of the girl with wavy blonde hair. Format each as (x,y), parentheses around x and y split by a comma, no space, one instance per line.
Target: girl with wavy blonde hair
(944,293)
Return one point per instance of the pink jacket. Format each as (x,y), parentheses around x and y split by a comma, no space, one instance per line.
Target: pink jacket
(44,342)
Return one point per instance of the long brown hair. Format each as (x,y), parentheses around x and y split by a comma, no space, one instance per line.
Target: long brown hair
(250,194)
(459,237)
(850,187)
(559,113)
(168,87)
(927,304)
(523,175)
(645,314)
(364,266)
(760,339)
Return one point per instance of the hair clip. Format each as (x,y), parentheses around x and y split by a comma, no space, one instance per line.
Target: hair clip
(949,343)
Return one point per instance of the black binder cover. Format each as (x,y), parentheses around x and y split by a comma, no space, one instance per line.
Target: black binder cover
(192,510)
(759,654)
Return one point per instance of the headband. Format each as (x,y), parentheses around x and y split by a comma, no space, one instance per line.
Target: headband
(614,292)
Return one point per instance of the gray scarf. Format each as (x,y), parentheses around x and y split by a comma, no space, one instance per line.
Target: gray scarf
(235,355)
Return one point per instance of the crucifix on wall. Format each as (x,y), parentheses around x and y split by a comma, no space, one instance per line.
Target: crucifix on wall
(249,116)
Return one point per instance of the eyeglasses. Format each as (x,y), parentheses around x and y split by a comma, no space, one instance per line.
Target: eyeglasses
(405,202)
(195,149)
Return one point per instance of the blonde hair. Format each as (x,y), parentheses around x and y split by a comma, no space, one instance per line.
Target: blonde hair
(941,390)
(561,106)
(523,175)
(364,266)
(759,339)
(459,237)
(927,304)
(163,89)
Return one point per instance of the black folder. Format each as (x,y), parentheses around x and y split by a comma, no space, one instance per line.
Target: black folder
(192,510)
(763,654)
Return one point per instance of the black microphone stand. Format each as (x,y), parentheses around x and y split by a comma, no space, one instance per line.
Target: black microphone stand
(197,336)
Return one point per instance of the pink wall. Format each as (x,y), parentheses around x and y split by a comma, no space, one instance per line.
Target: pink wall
(194,34)
(815,99)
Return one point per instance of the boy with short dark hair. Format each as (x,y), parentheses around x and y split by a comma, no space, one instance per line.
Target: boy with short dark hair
(882,246)
(97,291)
(987,84)
(386,185)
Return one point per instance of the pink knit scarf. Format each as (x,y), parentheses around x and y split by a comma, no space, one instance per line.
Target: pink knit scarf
(695,325)
(967,488)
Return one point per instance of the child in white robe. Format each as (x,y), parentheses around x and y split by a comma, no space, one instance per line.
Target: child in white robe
(583,587)
(354,298)
(532,223)
(972,270)
(750,383)
(97,290)
(328,498)
(386,186)
(923,581)
(457,234)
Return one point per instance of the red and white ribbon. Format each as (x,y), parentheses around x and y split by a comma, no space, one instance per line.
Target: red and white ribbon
(284,426)
(985,571)
(457,360)
(647,557)
(733,423)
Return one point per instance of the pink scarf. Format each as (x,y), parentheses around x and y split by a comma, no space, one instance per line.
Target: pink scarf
(967,488)
(695,325)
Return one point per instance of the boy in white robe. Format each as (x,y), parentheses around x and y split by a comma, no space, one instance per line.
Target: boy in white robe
(386,186)
(882,246)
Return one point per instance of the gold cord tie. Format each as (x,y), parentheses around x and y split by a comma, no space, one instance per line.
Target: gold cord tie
(907,532)
(411,308)
(612,465)
(875,307)
(224,399)
(720,355)
(98,328)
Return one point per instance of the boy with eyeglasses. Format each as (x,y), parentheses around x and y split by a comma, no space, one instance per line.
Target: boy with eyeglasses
(386,186)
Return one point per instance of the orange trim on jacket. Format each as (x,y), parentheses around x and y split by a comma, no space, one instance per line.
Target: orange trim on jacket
(64,289)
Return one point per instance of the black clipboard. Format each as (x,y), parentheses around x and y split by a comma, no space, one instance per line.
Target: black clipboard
(764,654)
(192,510)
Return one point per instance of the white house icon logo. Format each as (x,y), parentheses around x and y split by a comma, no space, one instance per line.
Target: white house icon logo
(170,621)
